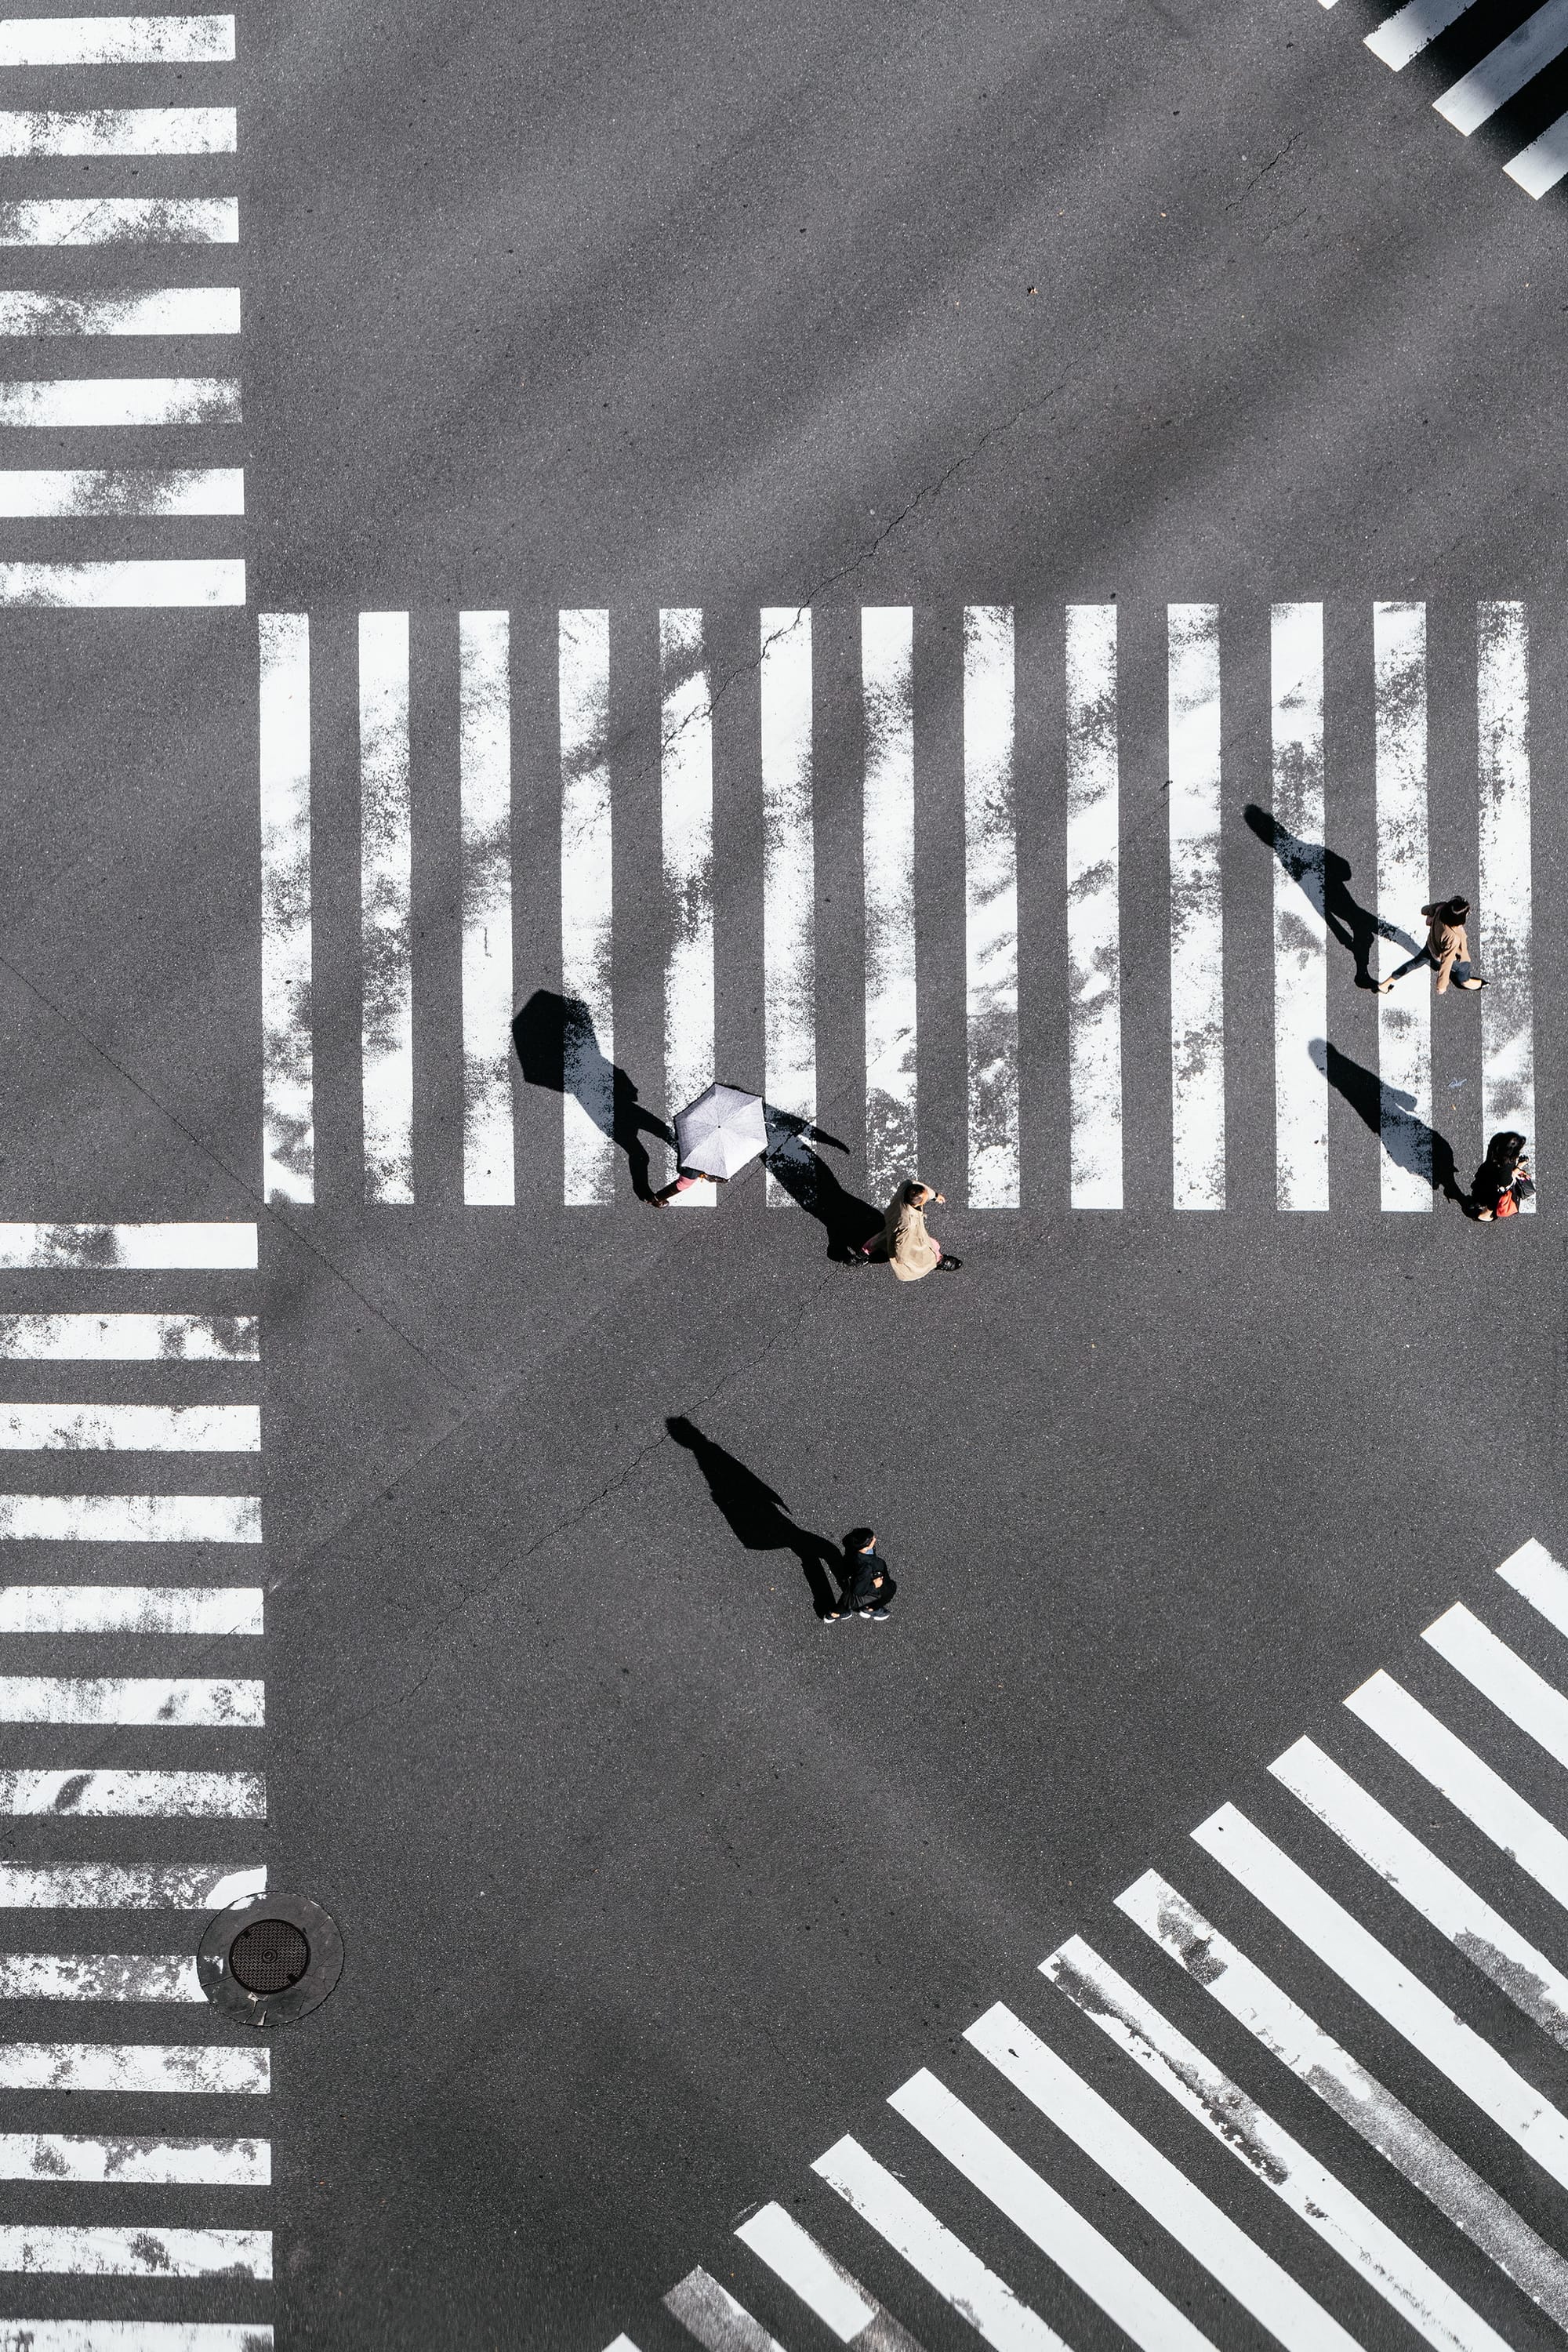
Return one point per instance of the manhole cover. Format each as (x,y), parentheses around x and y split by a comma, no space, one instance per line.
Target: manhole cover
(268,1955)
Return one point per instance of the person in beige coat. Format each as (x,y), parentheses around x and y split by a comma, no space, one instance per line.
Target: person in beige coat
(1447,949)
(903,1241)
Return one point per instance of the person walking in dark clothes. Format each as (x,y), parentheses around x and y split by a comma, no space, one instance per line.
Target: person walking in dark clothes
(1502,1176)
(1447,950)
(867,1585)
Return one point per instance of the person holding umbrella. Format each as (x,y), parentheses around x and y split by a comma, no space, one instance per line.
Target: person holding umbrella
(715,1137)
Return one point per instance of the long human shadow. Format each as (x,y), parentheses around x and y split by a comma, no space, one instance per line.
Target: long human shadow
(558,1047)
(844,1216)
(757,1517)
(1324,877)
(1390,1113)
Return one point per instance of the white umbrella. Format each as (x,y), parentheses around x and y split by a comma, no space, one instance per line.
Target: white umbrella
(720,1131)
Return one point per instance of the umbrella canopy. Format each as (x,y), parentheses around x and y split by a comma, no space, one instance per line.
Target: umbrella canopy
(720,1131)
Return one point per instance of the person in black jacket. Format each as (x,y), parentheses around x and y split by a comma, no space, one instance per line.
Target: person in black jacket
(867,1586)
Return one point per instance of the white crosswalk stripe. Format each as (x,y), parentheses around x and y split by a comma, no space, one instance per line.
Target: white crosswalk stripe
(197,1735)
(1342,1846)
(1503,73)
(78,518)
(1325,936)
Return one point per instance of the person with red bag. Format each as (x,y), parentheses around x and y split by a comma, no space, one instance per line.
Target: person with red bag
(1503,1179)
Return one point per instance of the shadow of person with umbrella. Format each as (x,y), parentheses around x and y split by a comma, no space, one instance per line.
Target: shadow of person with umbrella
(757,1517)
(558,1047)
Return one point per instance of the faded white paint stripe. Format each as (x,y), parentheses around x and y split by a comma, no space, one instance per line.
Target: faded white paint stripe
(1197,926)
(134,2066)
(127,1886)
(587,901)
(386,910)
(130,1338)
(94,400)
(888,854)
(1502,73)
(122,220)
(991,907)
(134,2336)
(1283,2309)
(177,1703)
(824,2285)
(130,1608)
(1269,2153)
(119,131)
(99,1976)
(1398,1996)
(108,1249)
(1300,932)
(95,2253)
(109,2163)
(1502,720)
(131,1518)
(153,583)
(130,1428)
(1346,2086)
(135,1795)
(287,1073)
(1093,908)
(1537,167)
(1442,1897)
(1527,1698)
(712,2313)
(944,2261)
(1498,1811)
(1404,1015)
(90,494)
(484,669)
(116,40)
(1408,31)
(1135,2305)
(1542,1581)
(134,311)
(686,781)
(789,872)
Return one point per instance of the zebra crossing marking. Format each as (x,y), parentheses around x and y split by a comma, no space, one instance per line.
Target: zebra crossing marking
(601,1115)
(78,500)
(1327,1936)
(1493,82)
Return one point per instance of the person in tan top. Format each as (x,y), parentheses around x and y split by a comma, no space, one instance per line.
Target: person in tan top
(903,1241)
(1447,949)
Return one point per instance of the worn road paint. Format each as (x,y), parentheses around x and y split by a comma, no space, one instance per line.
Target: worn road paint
(131,1518)
(484,664)
(1271,2153)
(106,1249)
(1504,927)
(135,1795)
(135,2066)
(1093,915)
(1343,2084)
(587,904)
(82,493)
(288,1081)
(822,2284)
(130,1428)
(145,310)
(710,2312)
(119,131)
(158,582)
(991,907)
(130,1338)
(888,854)
(1300,930)
(176,1703)
(386,911)
(1197,912)
(127,1886)
(97,2252)
(122,220)
(686,790)
(1405,1014)
(99,1976)
(117,40)
(789,872)
(89,402)
(157,2163)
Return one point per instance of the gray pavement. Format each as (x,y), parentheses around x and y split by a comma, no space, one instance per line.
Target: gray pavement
(653,1885)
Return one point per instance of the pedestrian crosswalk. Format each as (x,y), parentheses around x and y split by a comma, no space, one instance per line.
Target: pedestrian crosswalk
(757,809)
(1502,71)
(1353,1937)
(122,278)
(131,1792)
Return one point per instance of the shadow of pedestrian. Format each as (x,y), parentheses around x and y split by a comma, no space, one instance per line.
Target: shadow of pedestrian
(846,1220)
(1324,877)
(557,1047)
(1390,1113)
(756,1516)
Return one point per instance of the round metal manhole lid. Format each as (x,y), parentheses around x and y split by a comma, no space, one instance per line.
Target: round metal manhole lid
(268,1955)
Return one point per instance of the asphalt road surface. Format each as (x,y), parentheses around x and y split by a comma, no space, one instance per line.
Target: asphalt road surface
(654,1886)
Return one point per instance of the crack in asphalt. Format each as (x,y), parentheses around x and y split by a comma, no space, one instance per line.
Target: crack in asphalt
(1263,174)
